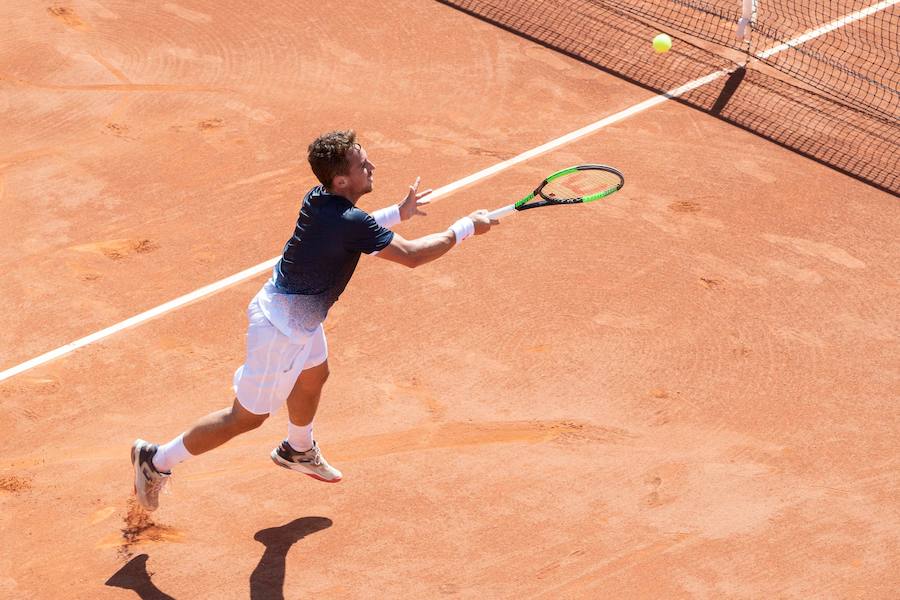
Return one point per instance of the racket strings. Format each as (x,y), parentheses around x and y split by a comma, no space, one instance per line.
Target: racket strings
(580,184)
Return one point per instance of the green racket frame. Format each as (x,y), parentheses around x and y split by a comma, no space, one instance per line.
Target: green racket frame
(525,203)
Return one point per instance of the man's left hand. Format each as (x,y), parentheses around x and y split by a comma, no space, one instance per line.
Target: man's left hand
(410,205)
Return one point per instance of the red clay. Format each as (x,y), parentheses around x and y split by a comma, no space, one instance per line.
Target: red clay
(687,390)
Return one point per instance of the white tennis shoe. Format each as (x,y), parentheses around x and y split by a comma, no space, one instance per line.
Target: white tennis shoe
(310,463)
(148,481)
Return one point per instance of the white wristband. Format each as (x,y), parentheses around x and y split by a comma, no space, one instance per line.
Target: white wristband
(463,228)
(387,217)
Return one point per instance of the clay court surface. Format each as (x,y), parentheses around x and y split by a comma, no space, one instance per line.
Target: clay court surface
(688,390)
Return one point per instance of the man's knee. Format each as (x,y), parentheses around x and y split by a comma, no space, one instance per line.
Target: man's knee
(314,378)
(255,422)
(323,373)
(242,420)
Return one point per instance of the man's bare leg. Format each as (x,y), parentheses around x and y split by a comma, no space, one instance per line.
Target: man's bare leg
(216,428)
(303,401)
(153,464)
(299,452)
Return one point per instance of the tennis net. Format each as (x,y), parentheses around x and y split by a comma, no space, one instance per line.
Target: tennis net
(821,77)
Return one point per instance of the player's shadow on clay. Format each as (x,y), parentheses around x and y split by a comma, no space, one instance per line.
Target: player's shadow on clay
(134,576)
(267,579)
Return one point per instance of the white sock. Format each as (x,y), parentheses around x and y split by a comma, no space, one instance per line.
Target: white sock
(169,455)
(300,437)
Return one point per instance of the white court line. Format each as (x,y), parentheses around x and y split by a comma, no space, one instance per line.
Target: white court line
(138,319)
(440,192)
(828,27)
(578,133)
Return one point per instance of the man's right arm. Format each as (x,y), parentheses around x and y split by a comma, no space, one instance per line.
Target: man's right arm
(417,252)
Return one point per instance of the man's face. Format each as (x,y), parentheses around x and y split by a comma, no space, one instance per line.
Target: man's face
(359,175)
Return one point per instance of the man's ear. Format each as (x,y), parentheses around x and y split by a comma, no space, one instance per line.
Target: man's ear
(338,182)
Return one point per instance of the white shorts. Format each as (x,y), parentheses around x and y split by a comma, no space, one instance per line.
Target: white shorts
(274,361)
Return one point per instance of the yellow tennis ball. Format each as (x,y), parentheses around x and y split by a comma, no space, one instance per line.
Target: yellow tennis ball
(662,43)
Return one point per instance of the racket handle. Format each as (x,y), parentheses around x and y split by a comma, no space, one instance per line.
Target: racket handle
(501,212)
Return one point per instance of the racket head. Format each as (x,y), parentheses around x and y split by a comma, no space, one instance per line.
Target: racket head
(582,183)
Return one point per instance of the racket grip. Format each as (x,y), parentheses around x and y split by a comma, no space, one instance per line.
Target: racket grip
(501,212)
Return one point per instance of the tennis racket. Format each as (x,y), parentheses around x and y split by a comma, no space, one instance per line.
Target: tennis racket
(575,185)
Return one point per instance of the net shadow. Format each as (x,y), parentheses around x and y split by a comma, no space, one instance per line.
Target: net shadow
(828,130)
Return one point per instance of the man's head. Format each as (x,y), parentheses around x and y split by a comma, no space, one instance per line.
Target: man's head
(341,164)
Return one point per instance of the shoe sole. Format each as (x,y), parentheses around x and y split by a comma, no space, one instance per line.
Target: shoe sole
(133,468)
(278,461)
(135,455)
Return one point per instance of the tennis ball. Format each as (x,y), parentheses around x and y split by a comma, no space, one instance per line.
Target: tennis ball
(662,43)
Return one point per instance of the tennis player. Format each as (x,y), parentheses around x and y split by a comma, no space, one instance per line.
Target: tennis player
(287,355)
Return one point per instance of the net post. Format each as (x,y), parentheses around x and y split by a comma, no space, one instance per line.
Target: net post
(747,20)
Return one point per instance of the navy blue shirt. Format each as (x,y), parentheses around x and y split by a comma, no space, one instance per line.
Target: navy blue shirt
(321,256)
